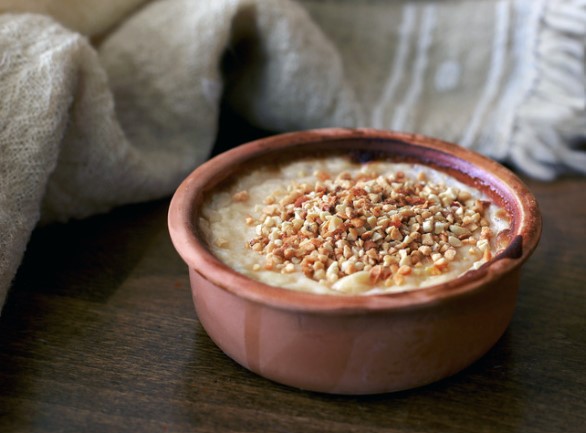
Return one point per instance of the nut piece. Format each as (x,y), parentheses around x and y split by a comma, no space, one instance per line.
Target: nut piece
(241,196)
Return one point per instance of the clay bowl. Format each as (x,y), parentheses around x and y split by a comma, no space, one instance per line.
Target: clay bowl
(356,344)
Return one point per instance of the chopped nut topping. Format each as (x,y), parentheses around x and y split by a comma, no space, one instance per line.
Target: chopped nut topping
(385,227)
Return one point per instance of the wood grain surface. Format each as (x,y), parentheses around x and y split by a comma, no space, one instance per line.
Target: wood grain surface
(99,334)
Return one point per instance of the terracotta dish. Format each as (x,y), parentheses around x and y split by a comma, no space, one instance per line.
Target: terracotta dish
(356,344)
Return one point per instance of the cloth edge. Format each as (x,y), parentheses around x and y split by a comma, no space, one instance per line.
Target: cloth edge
(555,92)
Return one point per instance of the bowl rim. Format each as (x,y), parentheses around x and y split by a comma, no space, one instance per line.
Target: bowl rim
(184,203)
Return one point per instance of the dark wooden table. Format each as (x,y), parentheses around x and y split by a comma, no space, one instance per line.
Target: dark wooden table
(99,334)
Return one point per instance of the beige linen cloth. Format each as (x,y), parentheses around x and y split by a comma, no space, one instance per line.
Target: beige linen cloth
(113,102)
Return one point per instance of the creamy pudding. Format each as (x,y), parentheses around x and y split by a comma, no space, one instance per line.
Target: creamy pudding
(332,225)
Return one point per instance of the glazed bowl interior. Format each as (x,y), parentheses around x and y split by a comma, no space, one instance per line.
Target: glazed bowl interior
(496,181)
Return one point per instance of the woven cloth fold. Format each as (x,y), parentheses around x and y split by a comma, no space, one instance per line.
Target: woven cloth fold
(86,127)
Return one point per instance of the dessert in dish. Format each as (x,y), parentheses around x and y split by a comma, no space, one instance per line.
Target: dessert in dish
(335,225)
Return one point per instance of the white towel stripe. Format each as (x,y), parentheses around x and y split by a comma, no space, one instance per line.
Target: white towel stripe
(420,65)
(495,71)
(524,75)
(400,58)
